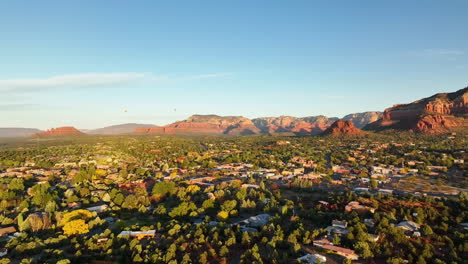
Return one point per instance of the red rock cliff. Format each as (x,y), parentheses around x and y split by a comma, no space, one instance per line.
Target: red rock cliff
(439,113)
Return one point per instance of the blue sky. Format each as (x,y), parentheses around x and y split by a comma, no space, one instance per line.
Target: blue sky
(95,63)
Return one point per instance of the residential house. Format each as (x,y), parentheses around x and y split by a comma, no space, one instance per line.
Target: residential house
(310,176)
(297,171)
(414,162)
(380,170)
(341,169)
(360,190)
(409,226)
(248,229)
(5,231)
(74,205)
(98,209)
(139,234)
(345,252)
(203,179)
(255,221)
(254,186)
(437,168)
(355,206)
(369,222)
(275,177)
(312,259)
(338,228)
(385,191)
(341,224)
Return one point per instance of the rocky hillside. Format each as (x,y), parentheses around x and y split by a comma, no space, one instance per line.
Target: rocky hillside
(360,120)
(12,132)
(343,128)
(440,113)
(118,129)
(305,125)
(59,131)
(206,124)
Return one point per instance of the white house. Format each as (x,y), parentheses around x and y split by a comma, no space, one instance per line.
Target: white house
(312,259)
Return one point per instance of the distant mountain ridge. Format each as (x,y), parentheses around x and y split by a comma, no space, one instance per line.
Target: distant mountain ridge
(360,120)
(206,124)
(118,129)
(440,113)
(214,124)
(238,125)
(13,132)
(306,125)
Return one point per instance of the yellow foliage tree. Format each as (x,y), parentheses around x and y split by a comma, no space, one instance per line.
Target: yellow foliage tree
(74,222)
(75,215)
(100,172)
(75,227)
(193,189)
(233,213)
(223,215)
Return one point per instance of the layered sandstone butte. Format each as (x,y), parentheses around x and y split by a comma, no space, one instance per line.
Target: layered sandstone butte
(59,131)
(206,124)
(342,128)
(360,120)
(440,113)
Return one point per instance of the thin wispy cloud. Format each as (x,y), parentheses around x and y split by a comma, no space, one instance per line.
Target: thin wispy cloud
(70,81)
(84,80)
(437,52)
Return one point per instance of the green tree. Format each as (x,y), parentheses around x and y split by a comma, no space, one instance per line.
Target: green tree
(183,209)
(224,251)
(164,188)
(374,184)
(131,202)
(119,199)
(363,249)
(426,230)
(229,205)
(16,184)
